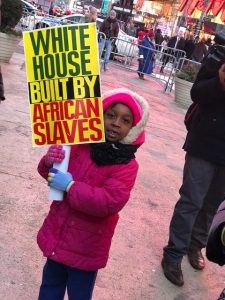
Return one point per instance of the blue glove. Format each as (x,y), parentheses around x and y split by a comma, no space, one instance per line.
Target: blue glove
(59,180)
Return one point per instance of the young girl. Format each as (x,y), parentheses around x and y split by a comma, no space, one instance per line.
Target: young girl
(76,235)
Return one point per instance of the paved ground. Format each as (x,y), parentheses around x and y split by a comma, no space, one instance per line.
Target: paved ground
(133,271)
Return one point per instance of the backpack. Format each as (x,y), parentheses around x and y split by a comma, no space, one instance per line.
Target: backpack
(190,115)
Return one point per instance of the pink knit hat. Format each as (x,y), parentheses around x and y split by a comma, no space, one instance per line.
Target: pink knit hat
(139,108)
(126,99)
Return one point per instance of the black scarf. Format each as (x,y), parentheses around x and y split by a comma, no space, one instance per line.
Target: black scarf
(109,153)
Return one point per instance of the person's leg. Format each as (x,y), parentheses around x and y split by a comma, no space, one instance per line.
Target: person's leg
(54,281)
(140,71)
(140,68)
(101,45)
(108,45)
(80,284)
(197,177)
(213,199)
(165,60)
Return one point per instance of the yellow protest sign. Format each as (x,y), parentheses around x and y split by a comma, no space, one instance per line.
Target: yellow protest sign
(64,85)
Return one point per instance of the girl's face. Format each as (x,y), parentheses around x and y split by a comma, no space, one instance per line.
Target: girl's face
(118,120)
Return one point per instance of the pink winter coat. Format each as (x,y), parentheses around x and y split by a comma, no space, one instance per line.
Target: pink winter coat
(78,230)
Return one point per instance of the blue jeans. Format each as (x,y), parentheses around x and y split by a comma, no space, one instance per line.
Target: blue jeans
(57,277)
(107,44)
(201,193)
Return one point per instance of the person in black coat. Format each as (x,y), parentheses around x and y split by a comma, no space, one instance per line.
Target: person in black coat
(158,39)
(200,50)
(189,45)
(110,27)
(175,43)
(203,186)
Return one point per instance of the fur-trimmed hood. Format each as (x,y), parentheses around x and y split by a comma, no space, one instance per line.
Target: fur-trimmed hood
(139,108)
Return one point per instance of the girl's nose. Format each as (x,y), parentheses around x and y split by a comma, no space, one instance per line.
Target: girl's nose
(116,122)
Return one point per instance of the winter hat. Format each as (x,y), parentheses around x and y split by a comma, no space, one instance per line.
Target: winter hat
(126,99)
(151,33)
(139,108)
(112,13)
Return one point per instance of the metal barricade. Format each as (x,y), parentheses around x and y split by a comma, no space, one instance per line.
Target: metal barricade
(129,58)
(170,57)
(101,43)
(184,67)
(158,61)
(125,49)
(30,21)
(26,22)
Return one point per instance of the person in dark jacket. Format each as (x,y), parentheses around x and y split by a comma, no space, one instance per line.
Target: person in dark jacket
(200,50)
(110,27)
(203,186)
(189,45)
(131,30)
(158,38)
(146,55)
(175,43)
(2,96)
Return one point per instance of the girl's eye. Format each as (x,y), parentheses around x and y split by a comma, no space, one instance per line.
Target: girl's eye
(127,121)
(110,115)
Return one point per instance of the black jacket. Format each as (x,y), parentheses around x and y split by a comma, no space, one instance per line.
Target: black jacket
(174,51)
(215,251)
(199,52)
(206,138)
(110,27)
(189,48)
(172,42)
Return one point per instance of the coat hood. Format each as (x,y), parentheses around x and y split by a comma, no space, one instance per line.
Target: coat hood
(139,107)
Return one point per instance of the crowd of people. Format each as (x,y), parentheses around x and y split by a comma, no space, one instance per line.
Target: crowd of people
(191,47)
(54,10)
(182,44)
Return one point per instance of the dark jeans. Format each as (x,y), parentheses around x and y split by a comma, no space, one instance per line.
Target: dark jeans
(57,277)
(201,193)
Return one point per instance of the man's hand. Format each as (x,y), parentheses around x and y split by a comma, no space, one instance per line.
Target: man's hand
(59,180)
(222,75)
